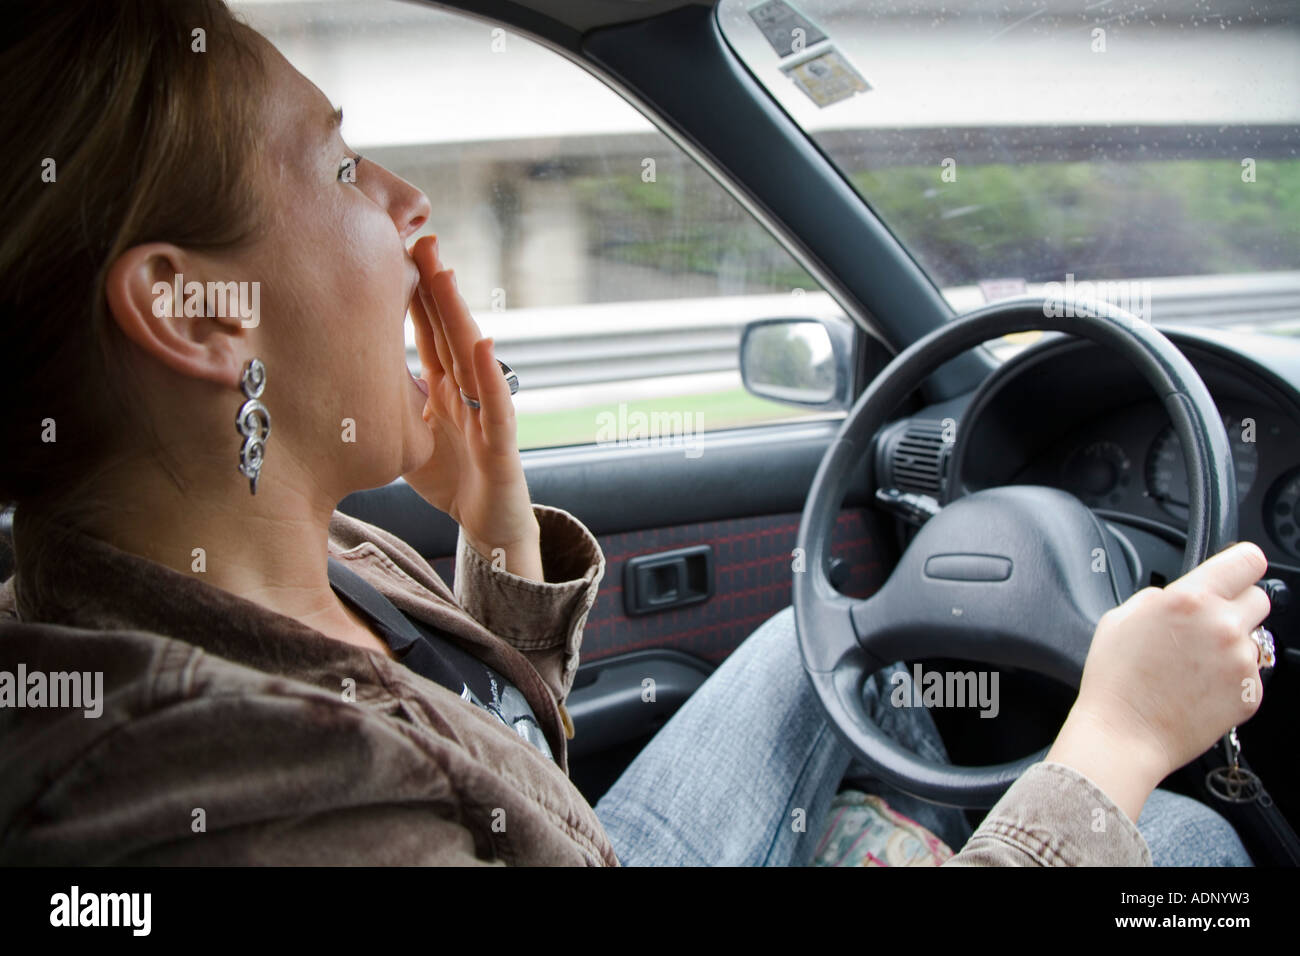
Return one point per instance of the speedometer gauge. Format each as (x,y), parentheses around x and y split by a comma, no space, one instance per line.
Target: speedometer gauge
(1280,515)
(1097,474)
(1166,469)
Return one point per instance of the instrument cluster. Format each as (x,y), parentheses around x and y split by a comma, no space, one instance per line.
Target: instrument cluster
(1132,461)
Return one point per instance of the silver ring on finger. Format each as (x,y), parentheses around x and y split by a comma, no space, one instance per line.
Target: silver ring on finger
(512,379)
(1265,651)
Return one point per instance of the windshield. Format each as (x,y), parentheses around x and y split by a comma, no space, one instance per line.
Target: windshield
(1152,148)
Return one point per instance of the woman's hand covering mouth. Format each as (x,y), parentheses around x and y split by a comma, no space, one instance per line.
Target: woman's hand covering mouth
(475,473)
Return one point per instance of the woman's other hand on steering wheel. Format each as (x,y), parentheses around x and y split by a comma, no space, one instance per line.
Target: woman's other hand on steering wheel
(1168,673)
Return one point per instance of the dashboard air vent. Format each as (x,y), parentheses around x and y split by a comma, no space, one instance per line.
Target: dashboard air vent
(916,459)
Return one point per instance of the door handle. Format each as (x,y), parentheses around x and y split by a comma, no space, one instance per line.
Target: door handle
(669,579)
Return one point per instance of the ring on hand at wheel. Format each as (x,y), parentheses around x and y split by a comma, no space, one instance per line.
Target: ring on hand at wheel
(1265,652)
(511,378)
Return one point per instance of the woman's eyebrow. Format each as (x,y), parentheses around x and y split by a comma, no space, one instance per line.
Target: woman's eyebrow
(335,120)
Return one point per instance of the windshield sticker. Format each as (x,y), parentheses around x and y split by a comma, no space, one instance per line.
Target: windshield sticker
(788,30)
(827,78)
(995,289)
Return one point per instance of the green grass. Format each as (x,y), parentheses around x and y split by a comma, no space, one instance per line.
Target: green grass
(709,411)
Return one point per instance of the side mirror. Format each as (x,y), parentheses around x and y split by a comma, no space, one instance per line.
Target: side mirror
(799,361)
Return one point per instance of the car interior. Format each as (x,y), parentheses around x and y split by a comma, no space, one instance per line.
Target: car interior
(702,543)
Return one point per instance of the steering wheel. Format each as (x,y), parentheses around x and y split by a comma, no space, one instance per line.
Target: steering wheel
(1008,576)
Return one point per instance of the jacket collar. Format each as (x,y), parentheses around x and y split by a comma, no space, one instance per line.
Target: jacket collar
(99,586)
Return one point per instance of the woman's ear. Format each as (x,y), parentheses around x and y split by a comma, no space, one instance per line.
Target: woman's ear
(160,297)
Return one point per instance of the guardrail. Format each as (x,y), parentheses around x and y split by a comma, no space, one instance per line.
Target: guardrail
(623,341)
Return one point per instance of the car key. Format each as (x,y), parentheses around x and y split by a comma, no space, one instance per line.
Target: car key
(1234,783)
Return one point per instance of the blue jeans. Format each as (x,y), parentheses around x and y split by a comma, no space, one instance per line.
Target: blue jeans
(750,753)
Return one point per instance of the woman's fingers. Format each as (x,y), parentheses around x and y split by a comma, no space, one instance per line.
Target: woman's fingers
(1252,606)
(458,326)
(443,350)
(425,341)
(461,351)
(455,330)
(425,254)
(1226,574)
(497,409)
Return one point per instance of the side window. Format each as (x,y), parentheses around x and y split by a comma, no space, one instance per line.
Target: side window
(613,272)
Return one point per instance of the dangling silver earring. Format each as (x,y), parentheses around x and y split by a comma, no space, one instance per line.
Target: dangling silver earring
(253,422)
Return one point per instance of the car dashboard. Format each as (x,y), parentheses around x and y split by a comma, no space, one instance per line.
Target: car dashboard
(1074,416)
(1069,414)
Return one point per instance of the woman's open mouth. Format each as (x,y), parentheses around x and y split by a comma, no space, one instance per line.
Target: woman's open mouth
(420,383)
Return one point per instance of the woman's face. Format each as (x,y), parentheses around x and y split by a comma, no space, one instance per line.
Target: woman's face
(336,280)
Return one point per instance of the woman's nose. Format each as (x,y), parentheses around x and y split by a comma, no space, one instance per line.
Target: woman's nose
(412,212)
(407,204)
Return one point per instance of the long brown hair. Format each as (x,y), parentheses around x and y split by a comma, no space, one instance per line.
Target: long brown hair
(126,122)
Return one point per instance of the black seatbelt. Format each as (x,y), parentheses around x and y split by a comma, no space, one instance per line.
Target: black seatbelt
(406,639)
(428,650)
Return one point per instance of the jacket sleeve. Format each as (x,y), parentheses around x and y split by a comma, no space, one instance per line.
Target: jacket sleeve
(542,619)
(1054,816)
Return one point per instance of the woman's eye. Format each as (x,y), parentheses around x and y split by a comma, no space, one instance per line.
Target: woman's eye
(348,169)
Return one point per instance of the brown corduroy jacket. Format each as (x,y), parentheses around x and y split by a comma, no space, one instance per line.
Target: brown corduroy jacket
(227,733)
